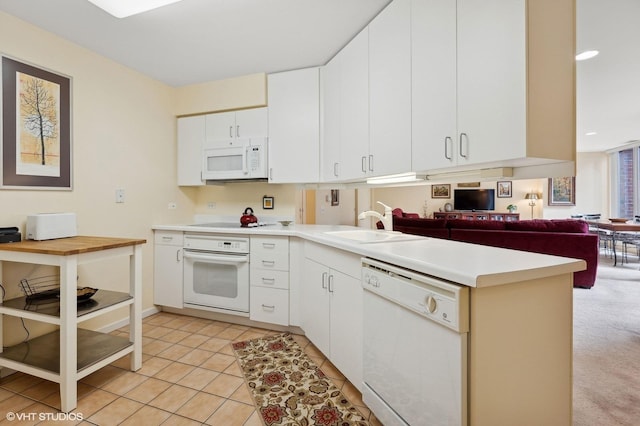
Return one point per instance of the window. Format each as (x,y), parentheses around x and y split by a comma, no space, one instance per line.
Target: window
(625,196)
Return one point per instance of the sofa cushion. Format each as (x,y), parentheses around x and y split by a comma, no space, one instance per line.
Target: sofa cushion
(419,222)
(545,225)
(475,224)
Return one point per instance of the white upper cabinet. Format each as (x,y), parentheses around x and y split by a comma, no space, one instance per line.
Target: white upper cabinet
(433,81)
(191,136)
(493,83)
(226,129)
(294,126)
(345,112)
(390,90)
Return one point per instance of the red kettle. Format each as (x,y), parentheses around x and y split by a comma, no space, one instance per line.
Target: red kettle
(248,217)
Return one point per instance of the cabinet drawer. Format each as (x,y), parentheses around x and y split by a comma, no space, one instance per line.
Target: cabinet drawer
(269,305)
(277,261)
(269,244)
(269,279)
(170,238)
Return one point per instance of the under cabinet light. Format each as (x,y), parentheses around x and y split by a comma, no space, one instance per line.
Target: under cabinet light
(587,54)
(124,8)
(399,178)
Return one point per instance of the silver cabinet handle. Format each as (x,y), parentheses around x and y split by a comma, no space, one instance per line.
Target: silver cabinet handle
(272,307)
(447,141)
(364,164)
(268,245)
(335,169)
(371,162)
(268,262)
(270,173)
(238,131)
(167,238)
(461,137)
(330,283)
(324,280)
(270,281)
(178,255)
(230,131)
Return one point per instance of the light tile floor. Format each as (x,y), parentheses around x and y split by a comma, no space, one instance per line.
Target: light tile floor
(189,376)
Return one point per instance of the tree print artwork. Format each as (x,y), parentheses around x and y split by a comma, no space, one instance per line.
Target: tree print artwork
(38,135)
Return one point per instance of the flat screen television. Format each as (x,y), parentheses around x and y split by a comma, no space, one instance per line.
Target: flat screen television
(474,199)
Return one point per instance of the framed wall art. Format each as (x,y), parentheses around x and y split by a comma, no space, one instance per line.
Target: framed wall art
(441,190)
(504,189)
(267,202)
(562,191)
(36,127)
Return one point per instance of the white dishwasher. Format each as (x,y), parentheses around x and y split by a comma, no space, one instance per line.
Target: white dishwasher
(415,347)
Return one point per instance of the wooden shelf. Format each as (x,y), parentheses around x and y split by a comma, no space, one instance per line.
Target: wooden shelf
(508,217)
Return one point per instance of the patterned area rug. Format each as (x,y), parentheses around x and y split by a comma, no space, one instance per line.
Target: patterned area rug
(288,388)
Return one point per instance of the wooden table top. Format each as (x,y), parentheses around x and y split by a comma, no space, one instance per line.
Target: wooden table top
(70,246)
(616,226)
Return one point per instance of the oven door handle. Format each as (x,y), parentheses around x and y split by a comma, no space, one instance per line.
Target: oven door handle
(212,258)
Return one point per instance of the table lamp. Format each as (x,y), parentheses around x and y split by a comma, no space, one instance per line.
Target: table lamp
(532,197)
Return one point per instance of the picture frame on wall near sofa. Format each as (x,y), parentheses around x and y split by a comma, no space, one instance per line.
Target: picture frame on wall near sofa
(36,127)
(504,189)
(441,190)
(562,191)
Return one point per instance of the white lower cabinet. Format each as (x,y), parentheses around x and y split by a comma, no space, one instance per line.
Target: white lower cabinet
(167,269)
(332,307)
(269,279)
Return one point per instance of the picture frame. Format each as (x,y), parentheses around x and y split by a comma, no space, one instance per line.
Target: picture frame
(335,197)
(36,127)
(442,190)
(562,191)
(504,189)
(268,202)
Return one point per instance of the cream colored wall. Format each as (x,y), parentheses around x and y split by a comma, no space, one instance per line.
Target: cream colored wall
(123,134)
(233,93)
(342,214)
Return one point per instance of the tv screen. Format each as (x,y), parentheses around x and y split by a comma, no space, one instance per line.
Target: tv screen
(474,199)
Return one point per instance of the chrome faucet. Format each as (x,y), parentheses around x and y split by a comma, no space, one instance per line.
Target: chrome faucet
(386,219)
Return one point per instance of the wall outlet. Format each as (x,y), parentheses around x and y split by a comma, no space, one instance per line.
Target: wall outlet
(119,195)
(211,205)
(173,206)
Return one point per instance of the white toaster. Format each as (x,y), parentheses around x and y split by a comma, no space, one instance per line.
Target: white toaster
(48,226)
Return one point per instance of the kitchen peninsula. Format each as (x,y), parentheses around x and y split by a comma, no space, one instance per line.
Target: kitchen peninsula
(520,304)
(81,352)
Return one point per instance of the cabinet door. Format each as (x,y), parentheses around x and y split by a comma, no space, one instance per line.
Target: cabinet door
(390,89)
(354,100)
(330,153)
(191,136)
(346,325)
(315,305)
(433,76)
(294,126)
(491,80)
(167,276)
(252,123)
(220,129)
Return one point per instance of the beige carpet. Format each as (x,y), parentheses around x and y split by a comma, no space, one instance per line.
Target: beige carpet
(607,347)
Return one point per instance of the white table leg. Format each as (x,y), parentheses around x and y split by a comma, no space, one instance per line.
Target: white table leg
(68,333)
(135,309)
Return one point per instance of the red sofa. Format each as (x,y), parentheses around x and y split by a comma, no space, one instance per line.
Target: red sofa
(561,237)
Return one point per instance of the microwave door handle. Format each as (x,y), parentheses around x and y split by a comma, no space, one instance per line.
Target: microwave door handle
(211,258)
(245,160)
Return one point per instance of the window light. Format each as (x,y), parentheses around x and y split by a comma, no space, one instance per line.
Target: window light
(124,8)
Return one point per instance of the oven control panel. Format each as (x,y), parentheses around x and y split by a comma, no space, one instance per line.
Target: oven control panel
(216,243)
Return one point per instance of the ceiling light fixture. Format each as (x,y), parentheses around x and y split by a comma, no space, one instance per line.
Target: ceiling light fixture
(124,8)
(587,54)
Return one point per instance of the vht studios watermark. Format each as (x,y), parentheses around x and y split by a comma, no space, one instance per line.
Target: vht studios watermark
(11,416)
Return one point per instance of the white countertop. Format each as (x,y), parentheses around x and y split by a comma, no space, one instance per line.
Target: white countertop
(463,263)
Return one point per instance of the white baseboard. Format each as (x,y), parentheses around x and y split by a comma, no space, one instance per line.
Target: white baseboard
(125,321)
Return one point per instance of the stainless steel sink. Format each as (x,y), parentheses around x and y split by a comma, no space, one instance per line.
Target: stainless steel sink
(371,236)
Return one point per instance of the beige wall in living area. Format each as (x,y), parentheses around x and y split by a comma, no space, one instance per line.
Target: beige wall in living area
(123,136)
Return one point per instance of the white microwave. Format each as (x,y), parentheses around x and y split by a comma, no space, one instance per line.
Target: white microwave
(245,159)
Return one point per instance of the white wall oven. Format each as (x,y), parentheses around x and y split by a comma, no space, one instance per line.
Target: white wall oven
(216,273)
